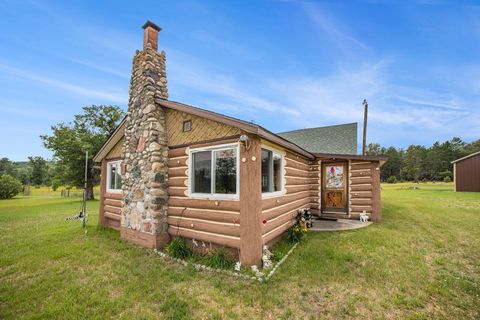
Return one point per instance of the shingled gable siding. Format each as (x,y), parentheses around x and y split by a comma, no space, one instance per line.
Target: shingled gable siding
(201,129)
(110,203)
(301,191)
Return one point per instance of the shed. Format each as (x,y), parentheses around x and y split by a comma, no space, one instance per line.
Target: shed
(466,173)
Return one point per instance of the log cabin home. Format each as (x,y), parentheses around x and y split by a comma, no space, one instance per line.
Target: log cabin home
(174,170)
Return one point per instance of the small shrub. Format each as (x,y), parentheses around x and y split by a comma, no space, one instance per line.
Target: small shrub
(297,232)
(447,179)
(219,259)
(392,179)
(178,248)
(9,186)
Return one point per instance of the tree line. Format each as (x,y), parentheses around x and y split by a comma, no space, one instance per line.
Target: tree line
(89,130)
(36,171)
(420,163)
(68,141)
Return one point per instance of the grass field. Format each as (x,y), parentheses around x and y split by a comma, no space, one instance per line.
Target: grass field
(421,262)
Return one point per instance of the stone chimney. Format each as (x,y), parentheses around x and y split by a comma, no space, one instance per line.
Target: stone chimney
(145,148)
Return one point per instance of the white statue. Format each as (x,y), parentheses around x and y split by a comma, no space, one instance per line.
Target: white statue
(266,256)
(364,216)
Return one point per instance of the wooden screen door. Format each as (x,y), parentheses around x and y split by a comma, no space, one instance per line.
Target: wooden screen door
(334,187)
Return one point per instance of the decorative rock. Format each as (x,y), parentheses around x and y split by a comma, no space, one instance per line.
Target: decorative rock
(154,146)
(141,144)
(147,226)
(238,266)
(158,177)
(157,167)
(138,195)
(157,192)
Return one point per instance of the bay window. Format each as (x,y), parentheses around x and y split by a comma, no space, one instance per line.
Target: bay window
(114,178)
(272,166)
(214,172)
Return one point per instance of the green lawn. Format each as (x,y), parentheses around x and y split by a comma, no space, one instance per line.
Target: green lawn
(421,262)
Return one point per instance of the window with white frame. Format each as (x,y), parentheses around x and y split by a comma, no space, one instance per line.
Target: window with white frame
(214,171)
(272,168)
(114,177)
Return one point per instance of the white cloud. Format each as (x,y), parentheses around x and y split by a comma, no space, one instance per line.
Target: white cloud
(109,95)
(333,29)
(101,68)
(309,101)
(189,72)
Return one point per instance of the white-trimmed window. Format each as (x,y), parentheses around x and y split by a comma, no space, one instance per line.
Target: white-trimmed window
(114,177)
(272,172)
(214,172)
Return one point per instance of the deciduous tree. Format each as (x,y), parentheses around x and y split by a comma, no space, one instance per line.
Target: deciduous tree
(70,141)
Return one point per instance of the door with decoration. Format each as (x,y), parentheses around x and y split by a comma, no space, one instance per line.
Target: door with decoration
(334,187)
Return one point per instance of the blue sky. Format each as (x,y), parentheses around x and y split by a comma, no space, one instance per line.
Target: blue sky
(283,64)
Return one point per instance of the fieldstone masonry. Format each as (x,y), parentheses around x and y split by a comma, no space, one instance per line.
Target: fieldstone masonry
(145,149)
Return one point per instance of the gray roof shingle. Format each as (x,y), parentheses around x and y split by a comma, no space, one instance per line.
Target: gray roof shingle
(337,139)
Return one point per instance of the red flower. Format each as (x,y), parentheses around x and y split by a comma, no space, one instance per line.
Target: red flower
(264,221)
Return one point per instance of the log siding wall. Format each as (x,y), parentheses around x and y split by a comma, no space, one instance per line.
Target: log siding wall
(208,220)
(301,178)
(363,189)
(110,202)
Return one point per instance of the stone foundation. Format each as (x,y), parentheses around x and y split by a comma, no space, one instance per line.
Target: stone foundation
(144,239)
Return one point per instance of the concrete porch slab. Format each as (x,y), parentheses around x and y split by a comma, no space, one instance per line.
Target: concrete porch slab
(339,225)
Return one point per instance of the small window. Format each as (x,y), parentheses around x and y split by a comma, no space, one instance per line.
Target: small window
(114,177)
(271,171)
(187,125)
(214,172)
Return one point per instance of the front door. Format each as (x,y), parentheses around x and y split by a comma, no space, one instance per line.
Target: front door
(334,187)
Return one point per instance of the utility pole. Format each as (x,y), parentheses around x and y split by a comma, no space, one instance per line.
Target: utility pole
(84,204)
(364,144)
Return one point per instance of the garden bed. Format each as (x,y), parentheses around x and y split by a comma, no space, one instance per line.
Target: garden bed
(218,260)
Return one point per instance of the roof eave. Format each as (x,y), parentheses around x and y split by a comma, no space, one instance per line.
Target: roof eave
(466,157)
(380,159)
(246,126)
(283,142)
(243,125)
(111,141)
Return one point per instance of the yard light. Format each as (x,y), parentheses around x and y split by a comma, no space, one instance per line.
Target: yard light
(244,139)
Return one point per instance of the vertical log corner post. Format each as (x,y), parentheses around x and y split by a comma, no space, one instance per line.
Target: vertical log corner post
(250,203)
(376,195)
(103,190)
